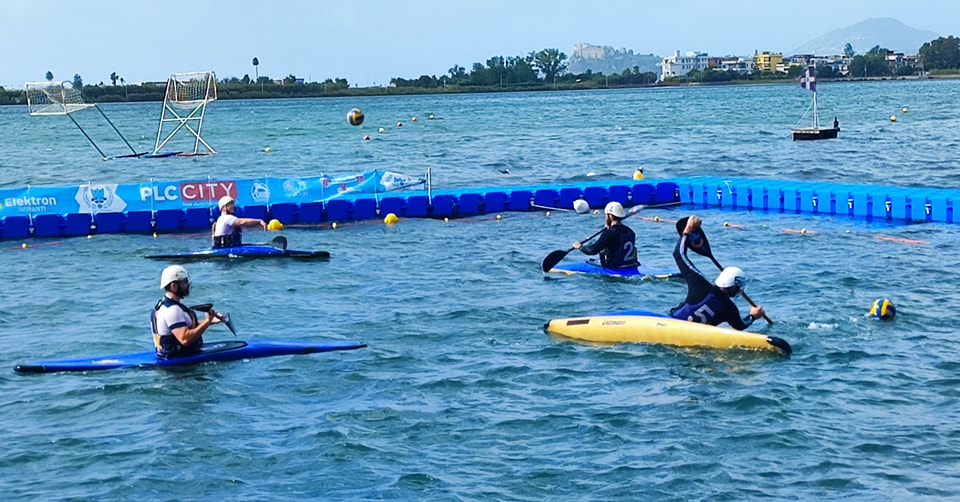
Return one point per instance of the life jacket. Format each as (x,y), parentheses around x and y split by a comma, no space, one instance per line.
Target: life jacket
(625,254)
(168,345)
(229,241)
(706,311)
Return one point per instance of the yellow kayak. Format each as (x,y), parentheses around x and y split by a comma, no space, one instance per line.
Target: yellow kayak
(649,327)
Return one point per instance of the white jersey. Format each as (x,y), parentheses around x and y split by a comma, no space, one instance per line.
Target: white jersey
(225,225)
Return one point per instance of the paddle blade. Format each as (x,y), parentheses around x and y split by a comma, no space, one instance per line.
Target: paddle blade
(203,307)
(553,258)
(225,319)
(279,242)
(696,241)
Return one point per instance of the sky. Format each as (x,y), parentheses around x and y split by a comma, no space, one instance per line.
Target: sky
(368,42)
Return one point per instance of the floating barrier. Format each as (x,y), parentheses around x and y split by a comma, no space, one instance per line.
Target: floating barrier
(18,219)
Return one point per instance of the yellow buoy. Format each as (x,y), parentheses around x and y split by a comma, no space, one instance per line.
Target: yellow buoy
(268,149)
(596,211)
(334,225)
(154,235)
(893,118)
(445,219)
(548,213)
(274,225)
(390,219)
(638,174)
(24,245)
(499,217)
(803,231)
(904,109)
(414,119)
(381,130)
(656,218)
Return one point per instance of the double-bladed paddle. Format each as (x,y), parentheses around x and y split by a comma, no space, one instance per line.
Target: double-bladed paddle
(224,318)
(698,243)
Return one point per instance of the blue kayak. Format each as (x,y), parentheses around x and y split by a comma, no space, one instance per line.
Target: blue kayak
(593,267)
(215,351)
(276,248)
(244,251)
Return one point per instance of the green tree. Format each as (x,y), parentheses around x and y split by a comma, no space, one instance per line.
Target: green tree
(848,50)
(942,54)
(49,76)
(551,63)
(77,82)
(113,78)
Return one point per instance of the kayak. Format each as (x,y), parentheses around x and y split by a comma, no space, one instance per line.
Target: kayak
(214,351)
(244,251)
(639,326)
(592,267)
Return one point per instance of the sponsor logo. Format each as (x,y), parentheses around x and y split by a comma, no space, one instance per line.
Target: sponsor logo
(260,192)
(613,323)
(189,191)
(294,188)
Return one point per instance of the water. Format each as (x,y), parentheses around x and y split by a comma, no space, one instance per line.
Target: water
(460,395)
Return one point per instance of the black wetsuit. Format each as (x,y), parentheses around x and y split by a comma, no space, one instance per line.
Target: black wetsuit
(616,245)
(705,302)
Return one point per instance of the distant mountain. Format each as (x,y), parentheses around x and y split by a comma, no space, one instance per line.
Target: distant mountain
(886,32)
(608,60)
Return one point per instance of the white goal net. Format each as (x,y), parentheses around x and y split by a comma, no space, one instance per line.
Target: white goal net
(54,98)
(185,102)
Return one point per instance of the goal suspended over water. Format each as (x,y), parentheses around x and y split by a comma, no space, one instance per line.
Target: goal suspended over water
(185,102)
(61,98)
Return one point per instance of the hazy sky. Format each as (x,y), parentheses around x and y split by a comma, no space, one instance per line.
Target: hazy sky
(368,42)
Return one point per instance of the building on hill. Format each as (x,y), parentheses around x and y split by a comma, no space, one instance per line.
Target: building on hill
(610,61)
(678,65)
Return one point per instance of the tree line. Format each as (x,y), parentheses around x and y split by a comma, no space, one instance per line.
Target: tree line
(542,70)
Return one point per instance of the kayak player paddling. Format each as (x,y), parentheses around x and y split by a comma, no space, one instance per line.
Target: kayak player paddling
(176,330)
(709,303)
(617,243)
(227,231)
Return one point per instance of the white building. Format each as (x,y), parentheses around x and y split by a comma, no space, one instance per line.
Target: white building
(678,66)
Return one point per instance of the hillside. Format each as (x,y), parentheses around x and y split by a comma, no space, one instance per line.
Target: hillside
(886,32)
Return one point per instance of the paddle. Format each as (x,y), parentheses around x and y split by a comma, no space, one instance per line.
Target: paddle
(279,242)
(224,318)
(698,243)
(555,257)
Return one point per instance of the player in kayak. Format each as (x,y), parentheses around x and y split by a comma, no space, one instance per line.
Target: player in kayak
(227,231)
(616,245)
(176,330)
(705,302)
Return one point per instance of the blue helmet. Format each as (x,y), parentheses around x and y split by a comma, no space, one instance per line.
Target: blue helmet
(883,309)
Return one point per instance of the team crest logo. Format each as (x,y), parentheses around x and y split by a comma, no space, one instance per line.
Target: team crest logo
(99,198)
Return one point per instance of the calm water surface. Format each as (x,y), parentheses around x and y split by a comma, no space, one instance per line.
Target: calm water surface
(460,395)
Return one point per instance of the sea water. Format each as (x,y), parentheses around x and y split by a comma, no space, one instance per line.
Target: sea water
(460,394)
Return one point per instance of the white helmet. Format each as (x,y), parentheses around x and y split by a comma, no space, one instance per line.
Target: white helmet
(730,277)
(173,273)
(226,199)
(616,209)
(581,206)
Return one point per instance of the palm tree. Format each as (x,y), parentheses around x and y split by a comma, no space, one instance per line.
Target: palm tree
(49,76)
(256,67)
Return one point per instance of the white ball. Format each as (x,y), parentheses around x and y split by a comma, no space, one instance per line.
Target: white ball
(581,206)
